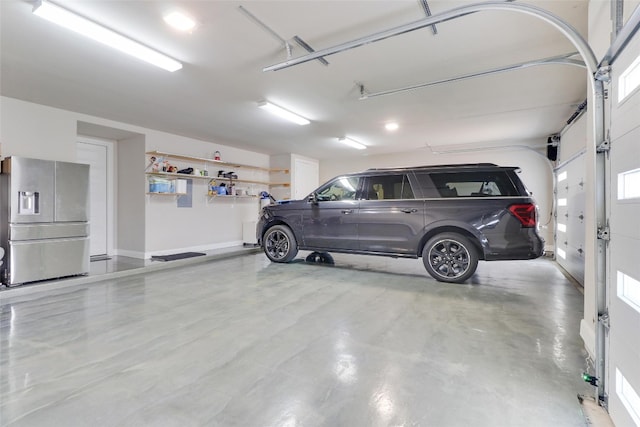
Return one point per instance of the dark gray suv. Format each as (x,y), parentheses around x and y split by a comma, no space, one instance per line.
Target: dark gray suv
(450,215)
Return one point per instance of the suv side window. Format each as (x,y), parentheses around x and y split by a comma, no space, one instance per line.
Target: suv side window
(473,184)
(387,187)
(343,188)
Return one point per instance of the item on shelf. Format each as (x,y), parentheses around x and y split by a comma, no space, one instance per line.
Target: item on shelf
(157,159)
(181,186)
(187,171)
(222,189)
(216,156)
(152,162)
(228,175)
(213,188)
(160,185)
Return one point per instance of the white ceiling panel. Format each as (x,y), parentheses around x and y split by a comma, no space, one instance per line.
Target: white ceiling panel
(214,96)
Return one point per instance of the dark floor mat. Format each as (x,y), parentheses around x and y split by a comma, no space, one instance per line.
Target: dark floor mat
(173,257)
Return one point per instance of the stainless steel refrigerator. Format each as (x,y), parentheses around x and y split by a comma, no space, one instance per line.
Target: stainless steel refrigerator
(44,226)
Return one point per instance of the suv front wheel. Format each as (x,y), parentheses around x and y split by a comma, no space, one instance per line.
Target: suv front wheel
(279,244)
(450,257)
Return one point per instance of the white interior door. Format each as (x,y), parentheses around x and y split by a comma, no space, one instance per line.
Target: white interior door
(305,177)
(97,154)
(623,361)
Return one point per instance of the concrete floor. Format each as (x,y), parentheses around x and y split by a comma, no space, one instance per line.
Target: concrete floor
(244,342)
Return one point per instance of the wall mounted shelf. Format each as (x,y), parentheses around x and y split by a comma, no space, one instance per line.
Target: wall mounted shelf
(215,163)
(212,161)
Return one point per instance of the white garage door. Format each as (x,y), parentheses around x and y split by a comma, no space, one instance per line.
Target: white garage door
(623,361)
(570,204)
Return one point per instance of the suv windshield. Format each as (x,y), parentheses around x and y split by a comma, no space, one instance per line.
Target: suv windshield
(343,188)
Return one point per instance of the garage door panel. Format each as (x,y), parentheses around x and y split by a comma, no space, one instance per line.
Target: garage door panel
(628,370)
(624,156)
(624,257)
(575,230)
(627,222)
(575,263)
(569,224)
(627,116)
(628,316)
(623,275)
(625,112)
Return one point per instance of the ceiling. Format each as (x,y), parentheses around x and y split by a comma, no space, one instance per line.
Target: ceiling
(214,96)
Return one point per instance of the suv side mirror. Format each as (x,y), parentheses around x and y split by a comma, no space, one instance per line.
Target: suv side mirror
(313,198)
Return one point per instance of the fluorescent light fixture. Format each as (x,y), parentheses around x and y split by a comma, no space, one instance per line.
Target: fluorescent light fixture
(81,25)
(351,143)
(391,126)
(180,21)
(281,112)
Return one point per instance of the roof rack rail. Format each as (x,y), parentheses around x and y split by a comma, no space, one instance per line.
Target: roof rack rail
(455,165)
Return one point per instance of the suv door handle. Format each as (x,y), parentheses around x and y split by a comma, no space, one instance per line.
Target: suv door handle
(347,211)
(409,210)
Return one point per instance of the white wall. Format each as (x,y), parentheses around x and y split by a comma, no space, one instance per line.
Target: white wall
(39,131)
(31,130)
(537,173)
(573,139)
(211,222)
(130,210)
(600,26)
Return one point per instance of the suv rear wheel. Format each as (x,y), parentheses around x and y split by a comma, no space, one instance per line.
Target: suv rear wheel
(279,244)
(450,257)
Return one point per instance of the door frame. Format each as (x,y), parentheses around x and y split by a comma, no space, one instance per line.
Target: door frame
(111,185)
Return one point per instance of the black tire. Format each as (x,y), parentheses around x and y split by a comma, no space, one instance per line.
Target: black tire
(450,257)
(320,258)
(279,244)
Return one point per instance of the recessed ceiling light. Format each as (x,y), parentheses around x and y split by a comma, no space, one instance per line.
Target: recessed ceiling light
(351,143)
(180,21)
(391,126)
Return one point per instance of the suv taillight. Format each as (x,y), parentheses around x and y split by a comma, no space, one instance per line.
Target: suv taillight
(525,212)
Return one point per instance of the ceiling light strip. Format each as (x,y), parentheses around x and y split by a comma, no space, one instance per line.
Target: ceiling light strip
(282,113)
(90,29)
(351,143)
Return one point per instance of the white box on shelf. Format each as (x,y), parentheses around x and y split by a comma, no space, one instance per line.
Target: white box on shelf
(181,185)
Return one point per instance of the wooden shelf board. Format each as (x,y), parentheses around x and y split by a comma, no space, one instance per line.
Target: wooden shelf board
(178,175)
(210,161)
(213,196)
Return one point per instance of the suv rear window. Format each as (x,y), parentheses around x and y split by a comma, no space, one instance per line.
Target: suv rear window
(473,184)
(385,187)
